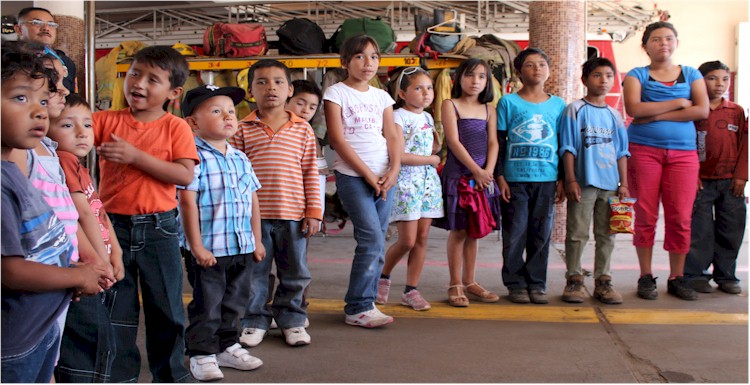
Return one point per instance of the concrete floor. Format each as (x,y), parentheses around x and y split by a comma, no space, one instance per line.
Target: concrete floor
(667,340)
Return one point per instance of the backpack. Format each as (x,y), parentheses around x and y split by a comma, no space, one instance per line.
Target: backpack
(375,28)
(235,40)
(301,36)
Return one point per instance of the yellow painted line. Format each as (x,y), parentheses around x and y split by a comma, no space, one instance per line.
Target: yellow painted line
(542,313)
(673,317)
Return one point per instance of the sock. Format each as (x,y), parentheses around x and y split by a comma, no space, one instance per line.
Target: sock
(408,288)
(671,277)
(383,276)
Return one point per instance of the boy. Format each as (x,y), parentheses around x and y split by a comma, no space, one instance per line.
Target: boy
(594,151)
(36,251)
(526,172)
(281,147)
(221,221)
(719,212)
(87,347)
(144,152)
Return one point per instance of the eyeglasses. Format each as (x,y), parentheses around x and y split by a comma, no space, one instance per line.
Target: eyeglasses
(407,72)
(40,23)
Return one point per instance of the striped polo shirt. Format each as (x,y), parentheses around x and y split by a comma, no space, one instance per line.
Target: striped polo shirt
(285,164)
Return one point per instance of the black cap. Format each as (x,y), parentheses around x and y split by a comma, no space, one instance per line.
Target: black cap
(196,96)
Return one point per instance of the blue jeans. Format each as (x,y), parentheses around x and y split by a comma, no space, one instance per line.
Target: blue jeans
(287,246)
(151,255)
(36,364)
(527,225)
(87,350)
(220,294)
(369,215)
(716,232)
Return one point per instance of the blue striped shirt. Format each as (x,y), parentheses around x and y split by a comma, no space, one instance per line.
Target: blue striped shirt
(224,185)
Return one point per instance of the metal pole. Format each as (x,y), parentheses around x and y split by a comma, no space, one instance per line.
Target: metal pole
(89,59)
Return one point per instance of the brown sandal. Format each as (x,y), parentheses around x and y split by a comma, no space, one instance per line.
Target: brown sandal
(459,300)
(481,294)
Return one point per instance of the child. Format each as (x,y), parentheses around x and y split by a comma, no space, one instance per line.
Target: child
(719,211)
(221,221)
(469,125)
(281,147)
(144,152)
(359,119)
(418,195)
(36,252)
(87,348)
(527,175)
(664,99)
(594,151)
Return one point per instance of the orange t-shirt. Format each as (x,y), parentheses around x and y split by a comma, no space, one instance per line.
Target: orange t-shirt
(127,190)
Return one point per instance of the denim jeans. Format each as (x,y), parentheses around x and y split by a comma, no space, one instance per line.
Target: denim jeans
(34,365)
(716,234)
(87,351)
(287,246)
(369,215)
(220,294)
(151,256)
(527,225)
(594,204)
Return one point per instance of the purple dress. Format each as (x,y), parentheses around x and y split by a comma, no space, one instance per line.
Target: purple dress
(472,133)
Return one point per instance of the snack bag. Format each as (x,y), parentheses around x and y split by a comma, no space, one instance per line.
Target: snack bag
(621,215)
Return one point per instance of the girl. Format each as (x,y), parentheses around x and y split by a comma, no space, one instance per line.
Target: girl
(527,175)
(472,153)
(368,158)
(418,195)
(664,99)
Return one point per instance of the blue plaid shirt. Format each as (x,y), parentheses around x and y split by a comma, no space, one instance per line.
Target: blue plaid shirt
(224,185)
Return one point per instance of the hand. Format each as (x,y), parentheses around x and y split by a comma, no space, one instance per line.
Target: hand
(700,184)
(504,189)
(434,160)
(623,192)
(482,179)
(203,257)
(105,281)
(573,190)
(310,227)
(644,120)
(685,103)
(373,181)
(738,187)
(89,275)
(118,151)
(118,268)
(387,181)
(559,192)
(259,253)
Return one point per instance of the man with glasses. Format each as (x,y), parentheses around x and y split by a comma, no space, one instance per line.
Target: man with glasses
(37,25)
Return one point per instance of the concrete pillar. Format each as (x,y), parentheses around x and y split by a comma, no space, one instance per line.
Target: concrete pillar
(559,29)
(71,37)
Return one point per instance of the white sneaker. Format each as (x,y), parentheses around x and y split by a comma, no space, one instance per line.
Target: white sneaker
(296,336)
(369,319)
(251,337)
(205,368)
(273,324)
(307,322)
(238,358)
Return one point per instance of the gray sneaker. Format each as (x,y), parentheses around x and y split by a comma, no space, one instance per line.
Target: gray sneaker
(574,291)
(647,287)
(518,296)
(538,296)
(701,285)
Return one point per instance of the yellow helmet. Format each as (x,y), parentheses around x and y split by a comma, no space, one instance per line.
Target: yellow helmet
(184,49)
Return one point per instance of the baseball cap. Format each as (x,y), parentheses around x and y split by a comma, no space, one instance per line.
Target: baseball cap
(196,96)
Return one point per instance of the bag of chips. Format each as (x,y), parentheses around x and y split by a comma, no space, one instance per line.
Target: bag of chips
(621,215)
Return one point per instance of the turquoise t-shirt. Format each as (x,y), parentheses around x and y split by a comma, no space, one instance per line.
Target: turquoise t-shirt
(531,153)
(666,134)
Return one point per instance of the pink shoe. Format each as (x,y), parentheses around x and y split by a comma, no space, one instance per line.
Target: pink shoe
(415,300)
(384,286)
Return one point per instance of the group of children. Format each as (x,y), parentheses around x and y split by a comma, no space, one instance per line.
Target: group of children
(248,194)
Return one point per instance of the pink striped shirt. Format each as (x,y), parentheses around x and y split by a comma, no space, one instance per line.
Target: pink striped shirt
(286,166)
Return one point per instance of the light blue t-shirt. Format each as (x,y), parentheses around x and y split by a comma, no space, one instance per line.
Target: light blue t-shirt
(531,154)
(596,137)
(666,134)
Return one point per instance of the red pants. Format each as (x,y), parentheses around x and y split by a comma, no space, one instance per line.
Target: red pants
(669,175)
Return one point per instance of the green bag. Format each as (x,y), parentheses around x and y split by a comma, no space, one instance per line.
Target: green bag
(376,28)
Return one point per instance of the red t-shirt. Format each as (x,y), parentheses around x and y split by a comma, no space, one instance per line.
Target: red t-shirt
(79,180)
(725,147)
